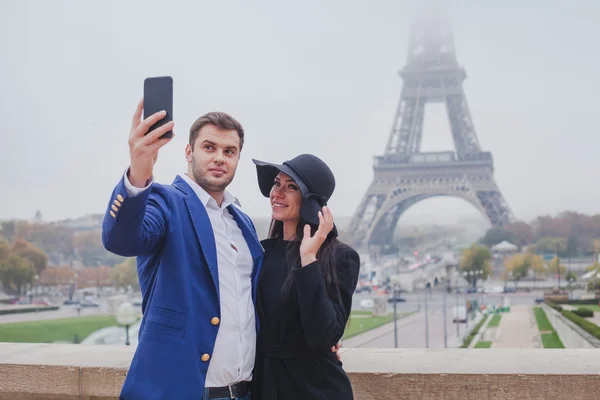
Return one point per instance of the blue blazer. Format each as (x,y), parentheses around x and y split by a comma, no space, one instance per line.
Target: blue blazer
(168,229)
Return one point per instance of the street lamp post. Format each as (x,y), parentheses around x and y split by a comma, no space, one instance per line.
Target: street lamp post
(557,266)
(395,299)
(456,317)
(445,325)
(426,319)
(126,316)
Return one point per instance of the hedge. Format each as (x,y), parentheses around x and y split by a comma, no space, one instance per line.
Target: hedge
(27,310)
(584,312)
(580,302)
(586,325)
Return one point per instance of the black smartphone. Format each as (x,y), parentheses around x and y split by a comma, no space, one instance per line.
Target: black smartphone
(158,96)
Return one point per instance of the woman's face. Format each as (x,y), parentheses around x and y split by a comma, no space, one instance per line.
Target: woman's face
(286,199)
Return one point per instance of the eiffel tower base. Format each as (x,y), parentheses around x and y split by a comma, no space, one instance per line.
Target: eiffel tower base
(397,187)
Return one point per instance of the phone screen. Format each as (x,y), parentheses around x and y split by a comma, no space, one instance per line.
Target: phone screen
(158,96)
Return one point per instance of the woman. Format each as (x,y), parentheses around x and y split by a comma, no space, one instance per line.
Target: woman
(305,287)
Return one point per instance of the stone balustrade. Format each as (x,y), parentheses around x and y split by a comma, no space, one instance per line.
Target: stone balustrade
(66,371)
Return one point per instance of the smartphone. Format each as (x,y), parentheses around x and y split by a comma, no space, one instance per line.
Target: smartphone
(158,96)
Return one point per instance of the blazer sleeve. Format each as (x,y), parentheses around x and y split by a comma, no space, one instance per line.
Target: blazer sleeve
(135,225)
(323,319)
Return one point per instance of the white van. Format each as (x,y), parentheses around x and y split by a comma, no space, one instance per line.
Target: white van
(459,314)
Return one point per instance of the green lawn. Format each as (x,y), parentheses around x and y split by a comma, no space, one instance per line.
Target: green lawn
(362,321)
(48,331)
(495,320)
(550,339)
(483,345)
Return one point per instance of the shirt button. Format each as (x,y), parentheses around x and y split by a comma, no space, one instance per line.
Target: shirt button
(215,321)
(205,357)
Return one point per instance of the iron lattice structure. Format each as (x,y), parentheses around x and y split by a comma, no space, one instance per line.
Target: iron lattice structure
(404,175)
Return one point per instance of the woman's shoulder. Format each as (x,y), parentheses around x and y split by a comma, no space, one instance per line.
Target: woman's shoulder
(346,255)
(342,248)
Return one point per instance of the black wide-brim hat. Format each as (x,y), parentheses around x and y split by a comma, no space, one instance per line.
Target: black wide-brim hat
(313,177)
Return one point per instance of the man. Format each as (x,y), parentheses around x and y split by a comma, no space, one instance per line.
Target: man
(198,259)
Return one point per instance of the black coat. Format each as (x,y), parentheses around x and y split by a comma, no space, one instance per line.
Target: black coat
(299,325)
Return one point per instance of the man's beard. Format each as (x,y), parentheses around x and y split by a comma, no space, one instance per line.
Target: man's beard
(202,179)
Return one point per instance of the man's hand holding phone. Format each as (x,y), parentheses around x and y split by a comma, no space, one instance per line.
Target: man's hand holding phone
(144,145)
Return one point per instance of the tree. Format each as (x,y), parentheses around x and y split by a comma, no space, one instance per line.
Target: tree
(521,232)
(496,235)
(125,274)
(8,230)
(595,265)
(552,267)
(56,276)
(592,267)
(551,245)
(475,263)
(94,277)
(32,253)
(90,251)
(571,277)
(15,272)
(596,246)
(56,241)
(519,265)
(4,250)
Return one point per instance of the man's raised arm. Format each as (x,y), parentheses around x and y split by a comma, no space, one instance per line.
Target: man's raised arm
(136,218)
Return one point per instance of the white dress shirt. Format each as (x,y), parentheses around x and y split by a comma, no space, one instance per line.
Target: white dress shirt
(232,360)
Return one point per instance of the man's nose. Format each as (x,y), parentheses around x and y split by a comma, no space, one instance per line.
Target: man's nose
(219,159)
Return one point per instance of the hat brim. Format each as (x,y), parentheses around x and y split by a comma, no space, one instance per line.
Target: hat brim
(266,173)
(309,210)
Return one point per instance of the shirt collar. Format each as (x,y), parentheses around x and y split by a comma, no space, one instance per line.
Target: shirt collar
(207,199)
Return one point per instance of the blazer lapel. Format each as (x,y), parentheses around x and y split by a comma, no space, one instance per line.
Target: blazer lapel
(202,227)
(249,234)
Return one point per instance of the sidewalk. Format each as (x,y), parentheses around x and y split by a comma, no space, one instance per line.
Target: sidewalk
(374,334)
(518,329)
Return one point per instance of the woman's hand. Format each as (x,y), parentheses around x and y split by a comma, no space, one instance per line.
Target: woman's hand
(311,244)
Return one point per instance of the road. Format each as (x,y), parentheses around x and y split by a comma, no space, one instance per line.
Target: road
(412,331)
(416,301)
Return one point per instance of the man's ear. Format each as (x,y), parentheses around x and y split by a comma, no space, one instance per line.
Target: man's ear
(188,153)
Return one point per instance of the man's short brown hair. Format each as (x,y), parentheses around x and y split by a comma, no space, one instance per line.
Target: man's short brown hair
(219,119)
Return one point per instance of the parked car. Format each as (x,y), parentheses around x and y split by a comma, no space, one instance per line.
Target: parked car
(398,299)
(367,303)
(459,314)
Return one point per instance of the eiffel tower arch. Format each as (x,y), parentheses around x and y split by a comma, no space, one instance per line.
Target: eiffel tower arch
(404,175)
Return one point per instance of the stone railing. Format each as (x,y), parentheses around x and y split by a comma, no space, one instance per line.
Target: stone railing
(65,371)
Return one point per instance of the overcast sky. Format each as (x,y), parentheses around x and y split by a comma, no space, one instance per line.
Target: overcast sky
(312,76)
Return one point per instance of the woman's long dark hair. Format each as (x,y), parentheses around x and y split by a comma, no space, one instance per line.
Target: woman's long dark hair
(326,256)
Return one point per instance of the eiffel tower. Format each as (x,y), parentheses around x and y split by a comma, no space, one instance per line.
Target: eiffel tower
(404,175)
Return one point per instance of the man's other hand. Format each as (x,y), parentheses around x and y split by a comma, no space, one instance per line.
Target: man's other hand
(336,349)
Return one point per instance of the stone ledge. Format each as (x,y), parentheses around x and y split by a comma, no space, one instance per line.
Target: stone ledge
(66,371)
